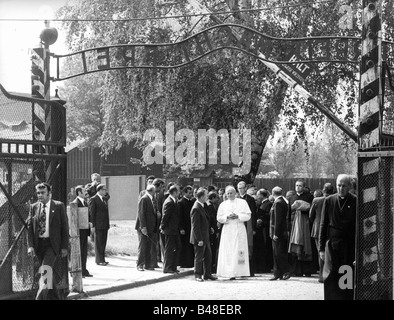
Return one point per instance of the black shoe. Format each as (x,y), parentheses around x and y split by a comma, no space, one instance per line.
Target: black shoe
(308,275)
(86,274)
(275,278)
(102,263)
(232,278)
(321,281)
(139,268)
(210,277)
(169,271)
(286,276)
(150,269)
(176,271)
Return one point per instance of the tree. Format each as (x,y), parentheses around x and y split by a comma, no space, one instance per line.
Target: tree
(340,156)
(287,154)
(224,90)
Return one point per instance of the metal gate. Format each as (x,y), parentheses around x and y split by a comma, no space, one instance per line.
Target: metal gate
(374,252)
(32,141)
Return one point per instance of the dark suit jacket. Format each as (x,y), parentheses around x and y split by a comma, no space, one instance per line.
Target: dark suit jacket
(212,214)
(344,224)
(91,190)
(185,207)
(253,208)
(264,212)
(146,217)
(98,212)
(278,223)
(170,219)
(315,215)
(199,224)
(58,226)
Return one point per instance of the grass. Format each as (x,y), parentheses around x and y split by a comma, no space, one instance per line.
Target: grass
(122,239)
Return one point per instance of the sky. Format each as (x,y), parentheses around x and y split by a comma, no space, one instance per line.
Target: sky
(17,37)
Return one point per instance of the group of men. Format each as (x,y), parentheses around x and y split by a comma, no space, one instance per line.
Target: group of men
(166,234)
(328,220)
(48,234)
(295,235)
(232,235)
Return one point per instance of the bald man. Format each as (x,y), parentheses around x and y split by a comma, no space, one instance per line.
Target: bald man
(337,238)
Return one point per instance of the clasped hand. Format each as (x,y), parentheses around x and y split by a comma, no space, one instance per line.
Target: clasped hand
(233,216)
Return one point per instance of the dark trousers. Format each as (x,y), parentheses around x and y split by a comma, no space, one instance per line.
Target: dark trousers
(146,250)
(83,241)
(281,263)
(202,260)
(172,248)
(46,258)
(336,256)
(321,262)
(262,253)
(162,241)
(214,250)
(153,252)
(100,242)
(186,259)
(300,267)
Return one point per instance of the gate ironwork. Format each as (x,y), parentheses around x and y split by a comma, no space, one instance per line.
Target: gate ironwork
(32,141)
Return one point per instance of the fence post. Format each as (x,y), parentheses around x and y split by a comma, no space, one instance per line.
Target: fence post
(75,249)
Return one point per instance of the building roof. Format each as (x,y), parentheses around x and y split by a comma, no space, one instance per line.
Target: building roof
(74,144)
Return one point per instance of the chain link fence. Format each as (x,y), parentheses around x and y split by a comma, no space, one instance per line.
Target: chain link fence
(374,249)
(32,140)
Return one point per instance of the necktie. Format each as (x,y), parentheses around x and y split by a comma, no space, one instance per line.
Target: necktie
(42,221)
(85,203)
(154,201)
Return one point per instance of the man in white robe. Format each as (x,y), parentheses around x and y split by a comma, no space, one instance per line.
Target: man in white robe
(233,258)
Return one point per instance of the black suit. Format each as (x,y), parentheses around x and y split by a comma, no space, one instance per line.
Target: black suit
(213,237)
(186,259)
(315,217)
(99,215)
(252,206)
(337,239)
(262,246)
(48,250)
(278,227)
(200,230)
(83,238)
(146,218)
(170,228)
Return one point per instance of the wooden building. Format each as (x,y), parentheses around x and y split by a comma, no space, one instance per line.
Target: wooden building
(81,163)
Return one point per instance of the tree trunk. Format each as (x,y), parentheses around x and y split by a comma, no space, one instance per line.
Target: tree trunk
(262,133)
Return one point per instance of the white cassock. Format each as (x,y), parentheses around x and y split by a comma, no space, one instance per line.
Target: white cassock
(233,258)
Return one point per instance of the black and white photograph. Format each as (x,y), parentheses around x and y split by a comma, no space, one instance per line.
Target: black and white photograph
(197,156)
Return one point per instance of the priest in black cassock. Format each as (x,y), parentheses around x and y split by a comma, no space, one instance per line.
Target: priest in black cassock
(337,238)
(250,224)
(186,259)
